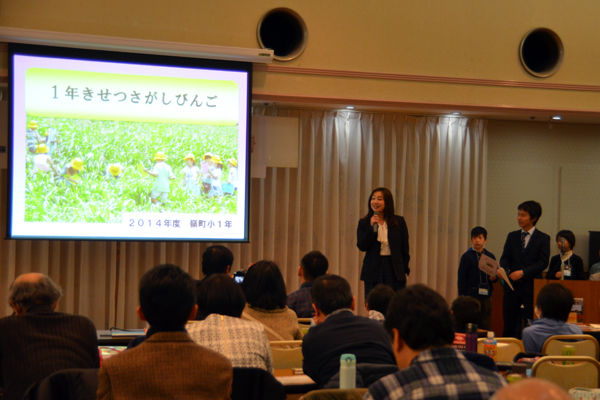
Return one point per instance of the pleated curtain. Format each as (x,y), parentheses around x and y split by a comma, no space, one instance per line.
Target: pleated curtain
(435,168)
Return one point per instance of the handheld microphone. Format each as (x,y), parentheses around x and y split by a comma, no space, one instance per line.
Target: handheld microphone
(376,225)
(562,245)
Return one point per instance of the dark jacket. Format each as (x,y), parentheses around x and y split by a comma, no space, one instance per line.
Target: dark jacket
(339,334)
(470,276)
(40,342)
(532,261)
(398,240)
(574,261)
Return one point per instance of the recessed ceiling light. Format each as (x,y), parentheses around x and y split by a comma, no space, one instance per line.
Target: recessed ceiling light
(350,107)
(556,117)
(456,113)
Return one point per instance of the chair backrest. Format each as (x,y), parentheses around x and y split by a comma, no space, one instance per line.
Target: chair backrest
(255,384)
(284,357)
(336,394)
(285,343)
(508,348)
(585,373)
(585,345)
(304,328)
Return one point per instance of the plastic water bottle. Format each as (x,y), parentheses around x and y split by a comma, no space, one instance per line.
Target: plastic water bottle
(568,350)
(490,346)
(471,337)
(347,371)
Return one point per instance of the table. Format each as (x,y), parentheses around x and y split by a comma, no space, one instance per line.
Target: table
(106,338)
(295,385)
(590,330)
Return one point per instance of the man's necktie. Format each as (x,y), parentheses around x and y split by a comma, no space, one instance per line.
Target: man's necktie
(523,236)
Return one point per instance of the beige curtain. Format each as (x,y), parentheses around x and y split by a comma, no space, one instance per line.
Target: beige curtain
(435,167)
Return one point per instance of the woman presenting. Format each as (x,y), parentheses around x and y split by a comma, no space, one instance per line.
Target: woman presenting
(384,237)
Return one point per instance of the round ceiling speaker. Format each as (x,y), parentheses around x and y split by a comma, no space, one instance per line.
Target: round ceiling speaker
(283,31)
(541,52)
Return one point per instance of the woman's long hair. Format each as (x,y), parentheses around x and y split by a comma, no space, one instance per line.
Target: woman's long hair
(388,210)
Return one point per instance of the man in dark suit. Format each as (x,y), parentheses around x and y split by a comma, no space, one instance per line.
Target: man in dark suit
(168,364)
(36,341)
(339,331)
(525,255)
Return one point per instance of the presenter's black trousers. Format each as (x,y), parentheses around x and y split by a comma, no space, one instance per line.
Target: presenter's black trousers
(513,314)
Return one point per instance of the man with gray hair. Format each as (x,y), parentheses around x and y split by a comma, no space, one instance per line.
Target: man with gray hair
(36,341)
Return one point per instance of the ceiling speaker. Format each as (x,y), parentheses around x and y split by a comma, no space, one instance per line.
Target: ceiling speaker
(541,52)
(283,31)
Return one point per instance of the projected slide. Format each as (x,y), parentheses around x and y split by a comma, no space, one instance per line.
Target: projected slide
(127,151)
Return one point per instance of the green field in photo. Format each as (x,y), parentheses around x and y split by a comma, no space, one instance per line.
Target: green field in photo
(99,197)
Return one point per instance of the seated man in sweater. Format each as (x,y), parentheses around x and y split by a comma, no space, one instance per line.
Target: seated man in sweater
(339,331)
(312,265)
(36,341)
(552,306)
(168,365)
(419,323)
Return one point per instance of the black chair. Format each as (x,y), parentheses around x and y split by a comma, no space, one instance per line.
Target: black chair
(68,384)
(255,384)
(481,360)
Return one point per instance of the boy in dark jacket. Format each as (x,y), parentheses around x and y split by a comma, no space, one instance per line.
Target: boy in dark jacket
(472,281)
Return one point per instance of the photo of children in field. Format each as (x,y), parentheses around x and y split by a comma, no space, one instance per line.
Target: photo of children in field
(94,171)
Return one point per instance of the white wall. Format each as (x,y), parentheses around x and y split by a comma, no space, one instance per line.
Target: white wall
(559,167)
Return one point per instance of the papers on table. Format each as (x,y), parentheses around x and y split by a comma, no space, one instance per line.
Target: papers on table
(492,268)
(295,380)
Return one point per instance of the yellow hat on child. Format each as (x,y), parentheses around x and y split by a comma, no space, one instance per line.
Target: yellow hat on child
(160,156)
(114,170)
(190,157)
(77,164)
(208,155)
(33,125)
(217,159)
(42,148)
(232,161)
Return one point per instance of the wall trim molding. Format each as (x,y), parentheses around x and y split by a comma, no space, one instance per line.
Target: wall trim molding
(423,78)
(421,106)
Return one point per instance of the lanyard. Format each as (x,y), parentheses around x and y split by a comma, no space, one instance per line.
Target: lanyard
(485,276)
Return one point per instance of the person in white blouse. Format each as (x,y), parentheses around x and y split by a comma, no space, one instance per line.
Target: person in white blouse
(383,236)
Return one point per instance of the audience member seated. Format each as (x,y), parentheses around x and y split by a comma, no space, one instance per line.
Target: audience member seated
(595,269)
(566,265)
(464,310)
(220,304)
(378,300)
(168,364)
(531,389)
(419,323)
(265,296)
(312,265)
(37,341)
(339,331)
(552,306)
(216,260)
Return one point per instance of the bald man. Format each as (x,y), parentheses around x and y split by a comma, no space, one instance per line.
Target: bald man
(531,389)
(37,341)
